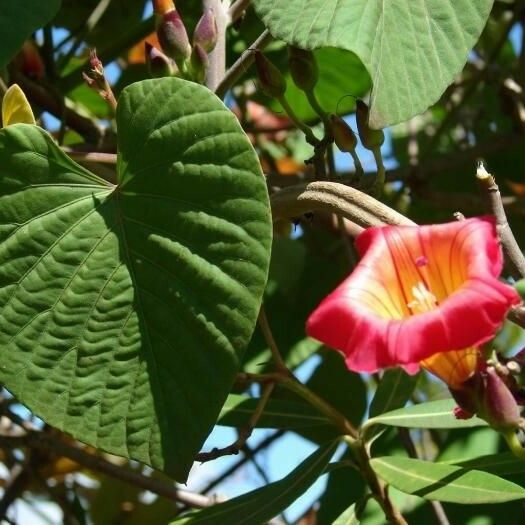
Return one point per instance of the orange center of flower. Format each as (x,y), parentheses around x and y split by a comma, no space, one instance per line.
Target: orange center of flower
(454,367)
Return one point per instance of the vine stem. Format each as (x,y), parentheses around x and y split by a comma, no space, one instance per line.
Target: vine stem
(492,197)
(217,68)
(378,489)
(244,433)
(280,365)
(240,67)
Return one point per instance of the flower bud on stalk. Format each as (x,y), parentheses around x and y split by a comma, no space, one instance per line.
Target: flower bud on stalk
(171,32)
(271,80)
(159,65)
(199,63)
(371,138)
(205,34)
(499,408)
(303,68)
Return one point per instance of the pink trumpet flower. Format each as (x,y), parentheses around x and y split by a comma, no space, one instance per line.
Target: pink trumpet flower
(420,296)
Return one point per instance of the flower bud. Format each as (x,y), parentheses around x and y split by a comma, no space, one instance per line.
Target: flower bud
(303,68)
(344,137)
(199,63)
(159,65)
(271,80)
(173,37)
(371,138)
(499,408)
(205,34)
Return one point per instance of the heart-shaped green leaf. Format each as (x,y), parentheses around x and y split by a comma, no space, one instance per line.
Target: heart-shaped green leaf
(18,19)
(124,310)
(437,481)
(412,50)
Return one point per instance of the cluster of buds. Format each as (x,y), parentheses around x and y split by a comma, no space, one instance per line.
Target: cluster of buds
(494,393)
(305,75)
(178,56)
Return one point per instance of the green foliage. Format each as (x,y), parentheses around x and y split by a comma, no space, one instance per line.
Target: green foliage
(277,414)
(263,504)
(18,19)
(445,482)
(143,296)
(433,414)
(407,51)
(393,391)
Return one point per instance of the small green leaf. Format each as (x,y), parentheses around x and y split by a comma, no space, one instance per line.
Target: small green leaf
(503,464)
(433,414)
(411,50)
(18,19)
(437,481)
(125,310)
(15,107)
(277,414)
(266,502)
(394,390)
(348,517)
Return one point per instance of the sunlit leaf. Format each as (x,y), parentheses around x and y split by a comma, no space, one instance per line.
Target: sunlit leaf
(125,310)
(15,107)
(412,50)
(437,481)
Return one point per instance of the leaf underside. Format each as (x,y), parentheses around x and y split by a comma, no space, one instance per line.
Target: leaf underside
(411,48)
(125,309)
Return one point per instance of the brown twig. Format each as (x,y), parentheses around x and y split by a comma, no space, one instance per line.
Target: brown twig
(280,365)
(492,197)
(242,64)
(237,9)
(45,442)
(244,433)
(92,156)
(40,96)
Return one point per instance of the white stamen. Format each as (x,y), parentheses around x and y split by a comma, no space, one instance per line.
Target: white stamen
(424,300)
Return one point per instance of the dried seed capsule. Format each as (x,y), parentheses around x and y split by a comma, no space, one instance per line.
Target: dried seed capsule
(344,137)
(303,68)
(370,138)
(271,80)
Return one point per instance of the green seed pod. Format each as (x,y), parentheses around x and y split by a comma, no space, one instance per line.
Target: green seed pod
(343,134)
(303,68)
(370,138)
(199,63)
(159,65)
(270,78)
(205,33)
(173,37)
